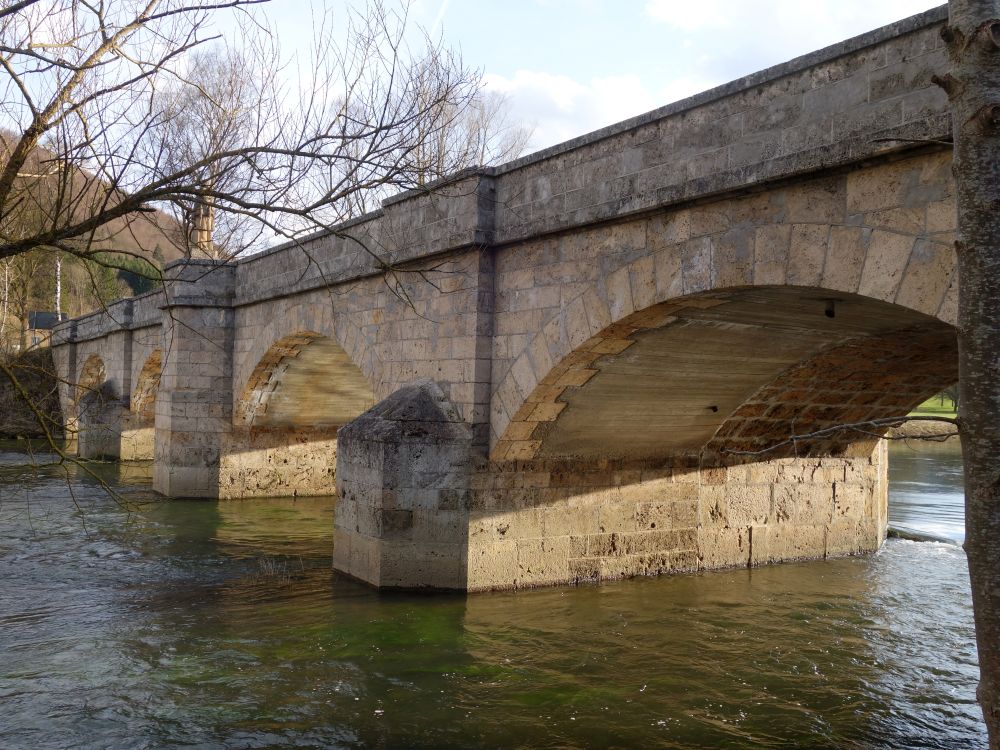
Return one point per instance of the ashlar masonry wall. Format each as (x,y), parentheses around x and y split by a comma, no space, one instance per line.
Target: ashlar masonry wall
(417,509)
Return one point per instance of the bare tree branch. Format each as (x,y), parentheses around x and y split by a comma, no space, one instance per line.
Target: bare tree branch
(871,428)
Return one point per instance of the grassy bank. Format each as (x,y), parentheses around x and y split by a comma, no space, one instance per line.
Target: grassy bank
(933,407)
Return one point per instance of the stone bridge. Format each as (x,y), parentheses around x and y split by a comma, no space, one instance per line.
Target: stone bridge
(587,363)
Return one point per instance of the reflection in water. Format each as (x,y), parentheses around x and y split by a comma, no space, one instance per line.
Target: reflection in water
(220,625)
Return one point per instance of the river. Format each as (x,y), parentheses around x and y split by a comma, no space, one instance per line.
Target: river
(152,624)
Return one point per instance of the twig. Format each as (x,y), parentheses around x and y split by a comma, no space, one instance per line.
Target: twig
(864,428)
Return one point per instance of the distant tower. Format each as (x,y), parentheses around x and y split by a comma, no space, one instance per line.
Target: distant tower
(202,229)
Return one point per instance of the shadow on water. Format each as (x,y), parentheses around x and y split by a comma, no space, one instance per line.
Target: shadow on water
(221,625)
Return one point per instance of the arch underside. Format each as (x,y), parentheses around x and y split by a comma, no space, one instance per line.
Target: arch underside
(138,435)
(96,418)
(306,379)
(93,377)
(736,371)
(299,394)
(143,401)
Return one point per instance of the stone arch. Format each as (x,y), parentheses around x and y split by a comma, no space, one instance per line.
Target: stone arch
(138,435)
(97,411)
(298,395)
(333,389)
(734,370)
(143,401)
(880,236)
(289,318)
(94,394)
(93,377)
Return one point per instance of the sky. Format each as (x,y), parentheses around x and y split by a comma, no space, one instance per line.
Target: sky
(569,67)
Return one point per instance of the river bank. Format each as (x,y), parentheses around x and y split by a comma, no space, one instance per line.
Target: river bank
(34,372)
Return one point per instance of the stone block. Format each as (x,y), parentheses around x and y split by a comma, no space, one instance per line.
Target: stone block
(696,265)
(927,276)
(747,505)
(543,561)
(850,500)
(886,259)
(842,538)
(802,502)
(733,257)
(422,565)
(845,258)
(564,521)
(807,252)
(723,547)
(786,541)
(492,565)
(658,515)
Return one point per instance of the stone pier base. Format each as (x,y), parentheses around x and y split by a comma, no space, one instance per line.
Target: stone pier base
(98,428)
(137,438)
(404,473)
(548,522)
(420,508)
(278,462)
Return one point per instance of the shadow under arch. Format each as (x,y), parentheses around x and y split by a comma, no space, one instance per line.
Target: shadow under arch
(286,418)
(734,370)
(644,449)
(143,401)
(96,412)
(138,429)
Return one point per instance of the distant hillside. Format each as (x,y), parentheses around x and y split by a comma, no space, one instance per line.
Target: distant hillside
(140,233)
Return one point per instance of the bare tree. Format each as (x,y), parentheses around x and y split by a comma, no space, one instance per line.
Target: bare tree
(481,134)
(224,104)
(973,87)
(117,103)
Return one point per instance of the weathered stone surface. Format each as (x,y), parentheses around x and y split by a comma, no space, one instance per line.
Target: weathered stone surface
(403,477)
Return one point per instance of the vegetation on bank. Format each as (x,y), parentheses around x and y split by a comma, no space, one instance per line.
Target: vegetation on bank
(35,374)
(944,404)
(46,281)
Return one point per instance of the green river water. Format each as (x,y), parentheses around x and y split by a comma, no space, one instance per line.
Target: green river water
(220,625)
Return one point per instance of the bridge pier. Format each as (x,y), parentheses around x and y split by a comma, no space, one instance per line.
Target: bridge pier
(570,521)
(98,426)
(419,507)
(404,471)
(138,438)
(194,412)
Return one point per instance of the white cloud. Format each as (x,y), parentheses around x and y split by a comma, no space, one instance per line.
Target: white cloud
(562,108)
(703,43)
(687,16)
(736,37)
(812,23)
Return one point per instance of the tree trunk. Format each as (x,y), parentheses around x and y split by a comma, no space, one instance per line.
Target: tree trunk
(5,304)
(973,37)
(58,285)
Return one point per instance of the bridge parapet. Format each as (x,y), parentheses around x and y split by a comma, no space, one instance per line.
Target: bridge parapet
(852,101)
(452,214)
